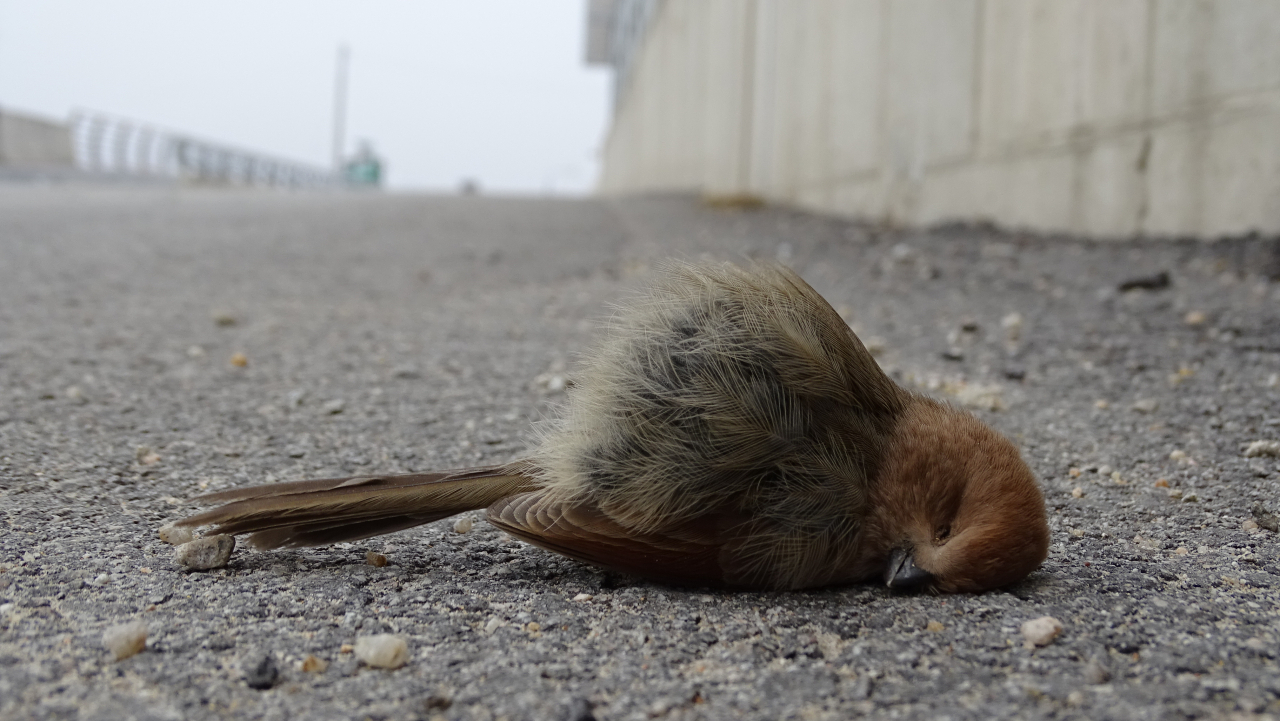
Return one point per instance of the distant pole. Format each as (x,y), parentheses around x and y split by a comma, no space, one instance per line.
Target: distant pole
(340,108)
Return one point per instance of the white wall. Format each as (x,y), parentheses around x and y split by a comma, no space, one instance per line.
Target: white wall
(1106,118)
(30,142)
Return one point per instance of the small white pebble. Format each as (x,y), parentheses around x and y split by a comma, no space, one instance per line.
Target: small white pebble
(382,651)
(1249,525)
(1263,448)
(1077,492)
(1012,324)
(493,625)
(583,597)
(175,535)
(1041,631)
(334,407)
(125,639)
(463,525)
(1177,455)
(1146,405)
(1104,470)
(205,553)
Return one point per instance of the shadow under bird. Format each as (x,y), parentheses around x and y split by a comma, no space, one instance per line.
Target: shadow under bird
(729,430)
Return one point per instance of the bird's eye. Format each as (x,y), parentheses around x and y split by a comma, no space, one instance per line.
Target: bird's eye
(942,534)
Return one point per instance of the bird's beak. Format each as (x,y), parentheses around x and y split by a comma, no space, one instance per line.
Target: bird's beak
(903,573)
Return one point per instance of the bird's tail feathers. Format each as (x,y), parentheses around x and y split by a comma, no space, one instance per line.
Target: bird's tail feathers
(316,513)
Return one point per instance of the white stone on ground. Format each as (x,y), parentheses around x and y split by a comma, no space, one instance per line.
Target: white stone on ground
(125,639)
(382,651)
(1041,631)
(175,535)
(205,553)
(1263,448)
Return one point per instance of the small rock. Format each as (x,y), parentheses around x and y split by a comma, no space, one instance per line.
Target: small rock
(1265,518)
(74,393)
(1145,405)
(1041,631)
(1077,492)
(934,626)
(1161,483)
(1101,404)
(580,710)
(239,360)
(583,597)
(1178,456)
(205,553)
(463,525)
(876,345)
(1012,324)
(1157,281)
(1195,317)
(1263,448)
(375,559)
(335,406)
(382,651)
(125,639)
(260,671)
(1073,472)
(1180,551)
(224,318)
(1104,470)
(1096,673)
(407,372)
(1191,498)
(978,395)
(953,354)
(438,702)
(1015,373)
(311,664)
(1249,525)
(175,535)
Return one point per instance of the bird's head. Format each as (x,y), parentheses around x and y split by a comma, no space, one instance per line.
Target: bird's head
(955,507)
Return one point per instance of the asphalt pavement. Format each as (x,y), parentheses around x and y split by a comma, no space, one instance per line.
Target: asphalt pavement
(157,343)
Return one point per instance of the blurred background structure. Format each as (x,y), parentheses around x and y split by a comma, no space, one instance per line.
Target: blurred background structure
(1104,118)
(491,93)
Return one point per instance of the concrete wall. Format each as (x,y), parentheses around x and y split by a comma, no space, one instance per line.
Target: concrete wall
(30,142)
(1106,118)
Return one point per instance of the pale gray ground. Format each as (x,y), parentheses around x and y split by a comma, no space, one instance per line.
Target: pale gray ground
(394,333)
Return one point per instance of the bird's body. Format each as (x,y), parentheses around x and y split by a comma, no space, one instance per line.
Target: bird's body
(729,430)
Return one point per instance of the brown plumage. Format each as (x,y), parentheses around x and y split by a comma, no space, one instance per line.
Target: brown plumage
(729,430)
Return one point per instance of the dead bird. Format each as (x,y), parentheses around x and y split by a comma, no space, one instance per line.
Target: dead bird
(729,430)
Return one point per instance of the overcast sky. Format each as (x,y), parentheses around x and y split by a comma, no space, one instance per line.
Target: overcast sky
(494,90)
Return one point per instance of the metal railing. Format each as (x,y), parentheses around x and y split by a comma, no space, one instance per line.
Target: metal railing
(615,31)
(112,145)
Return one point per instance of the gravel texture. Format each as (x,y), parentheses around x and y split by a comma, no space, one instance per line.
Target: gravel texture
(156,343)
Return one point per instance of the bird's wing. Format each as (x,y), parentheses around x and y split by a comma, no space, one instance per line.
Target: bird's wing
(689,555)
(314,513)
